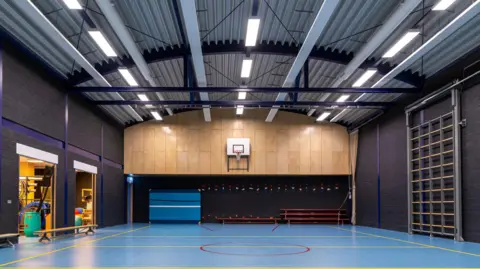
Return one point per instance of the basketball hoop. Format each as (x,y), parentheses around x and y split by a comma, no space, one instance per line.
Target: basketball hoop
(238,150)
(238,155)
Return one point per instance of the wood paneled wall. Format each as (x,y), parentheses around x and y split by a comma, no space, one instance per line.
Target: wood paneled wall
(185,144)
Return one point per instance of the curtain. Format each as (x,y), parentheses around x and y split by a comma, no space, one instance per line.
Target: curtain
(353,150)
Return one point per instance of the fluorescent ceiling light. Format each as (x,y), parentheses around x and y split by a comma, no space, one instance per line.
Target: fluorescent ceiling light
(34,161)
(242,95)
(102,43)
(366,76)
(323,116)
(149,106)
(128,77)
(156,115)
(142,97)
(443,4)
(252,32)
(239,110)
(343,98)
(246,68)
(401,43)
(72,4)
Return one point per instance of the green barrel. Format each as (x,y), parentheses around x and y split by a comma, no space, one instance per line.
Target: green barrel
(32,223)
(78,221)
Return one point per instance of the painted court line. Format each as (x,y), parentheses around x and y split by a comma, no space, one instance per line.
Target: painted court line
(247,236)
(205,227)
(409,242)
(69,247)
(255,246)
(235,267)
(274,228)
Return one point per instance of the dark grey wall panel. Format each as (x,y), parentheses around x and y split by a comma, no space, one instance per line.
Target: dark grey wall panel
(113,143)
(84,127)
(393,173)
(470,164)
(114,193)
(30,99)
(366,177)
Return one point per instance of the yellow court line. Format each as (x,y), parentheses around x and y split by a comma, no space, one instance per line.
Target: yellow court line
(69,247)
(231,268)
(409,242)
(275,246)
(247,236)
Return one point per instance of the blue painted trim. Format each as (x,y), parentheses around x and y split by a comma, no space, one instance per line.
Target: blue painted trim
(84,153)
(32,133)
(101,177)
(191,88)
(378,178)
(66,166)
(112,163)
(1,116)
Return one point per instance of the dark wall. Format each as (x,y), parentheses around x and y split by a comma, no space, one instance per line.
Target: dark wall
(221,198)
(34,99)
(393,164)
(367,177)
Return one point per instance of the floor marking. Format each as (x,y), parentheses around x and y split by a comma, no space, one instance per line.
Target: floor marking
(409,242)
(255,246)
(69,247)
(247,236)
(233,267)
(205,227)
(274,228)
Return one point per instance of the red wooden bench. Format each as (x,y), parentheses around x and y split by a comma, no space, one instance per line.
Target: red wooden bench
(305,215)
(257,220)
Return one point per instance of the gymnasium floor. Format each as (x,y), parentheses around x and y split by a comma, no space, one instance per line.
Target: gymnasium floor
(243,246)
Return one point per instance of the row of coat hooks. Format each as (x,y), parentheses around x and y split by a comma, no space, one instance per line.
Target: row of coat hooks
(268,188)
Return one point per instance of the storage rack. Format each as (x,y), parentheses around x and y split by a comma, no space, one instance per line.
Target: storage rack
(432,176)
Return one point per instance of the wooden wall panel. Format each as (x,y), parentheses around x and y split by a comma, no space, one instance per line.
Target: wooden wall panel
(185,144)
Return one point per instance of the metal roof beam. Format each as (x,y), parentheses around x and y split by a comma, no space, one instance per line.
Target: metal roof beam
(121,31)
(324,54)
(189,13)
(320,22)
(250,89)
(37,17)
(248,103)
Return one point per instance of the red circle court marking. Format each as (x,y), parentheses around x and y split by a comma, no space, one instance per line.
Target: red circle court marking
(203,248)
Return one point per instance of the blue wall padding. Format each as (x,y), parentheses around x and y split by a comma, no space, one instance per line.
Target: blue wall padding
(175,205)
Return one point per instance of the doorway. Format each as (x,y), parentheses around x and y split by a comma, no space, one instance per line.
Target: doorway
(85,194)
(36,194)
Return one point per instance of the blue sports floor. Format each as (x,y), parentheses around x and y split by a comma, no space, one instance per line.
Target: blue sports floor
(227,246)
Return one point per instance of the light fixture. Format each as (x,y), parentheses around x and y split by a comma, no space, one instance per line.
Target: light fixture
(252,32)
(323,116)
(366,76)
(443,4)
(142,97)
(343,98)
(102,43)
(246,68)
(34,161)
(72,4)
(149,106)
(239,110)
(401,43)
(242,95)
(156,115)
(128,77)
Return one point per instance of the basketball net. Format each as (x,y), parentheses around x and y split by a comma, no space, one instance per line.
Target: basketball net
(238,155)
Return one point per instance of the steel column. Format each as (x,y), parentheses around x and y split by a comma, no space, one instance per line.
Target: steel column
(101,176)
(409,168)
(457,159)
(66,166)
(1,119)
